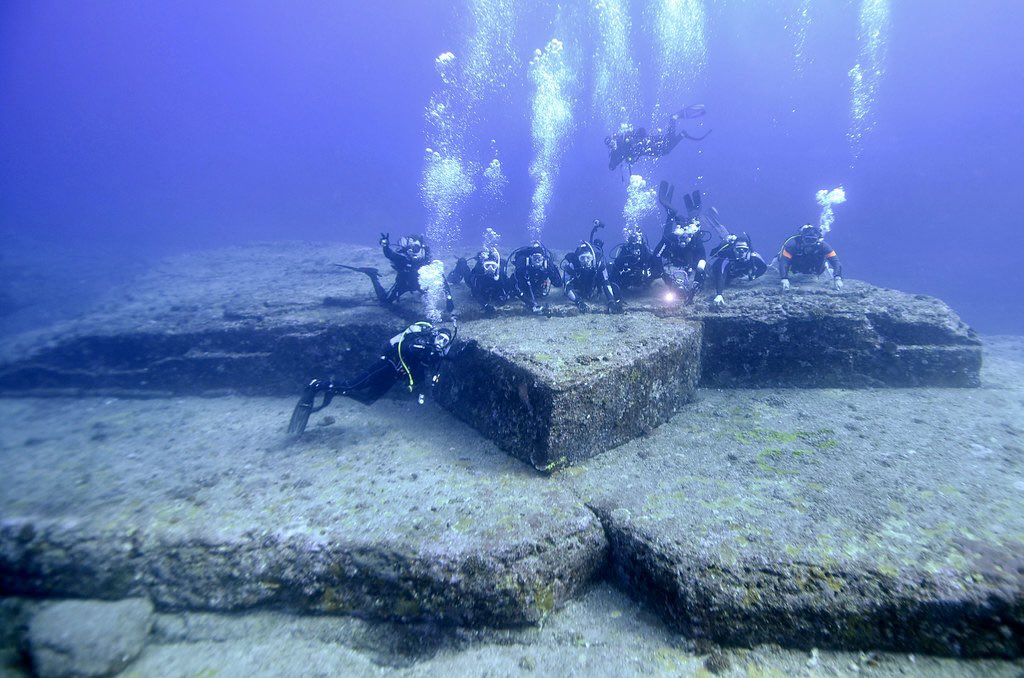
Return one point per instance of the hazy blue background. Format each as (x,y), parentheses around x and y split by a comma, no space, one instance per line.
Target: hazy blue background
(131,130)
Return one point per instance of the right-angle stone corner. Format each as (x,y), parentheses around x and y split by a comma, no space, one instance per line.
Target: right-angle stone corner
(812,336)
(554,392)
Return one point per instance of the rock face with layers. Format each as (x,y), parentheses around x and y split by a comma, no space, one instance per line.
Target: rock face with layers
(200,503)
(554,392)
(812,337)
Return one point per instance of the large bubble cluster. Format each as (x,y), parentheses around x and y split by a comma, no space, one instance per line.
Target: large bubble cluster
(679,29)
(866,74)
(551,123)
(447,180)
(641,202)
(490,55)
(826,199)
(616,95)
(447,183)
(431,279)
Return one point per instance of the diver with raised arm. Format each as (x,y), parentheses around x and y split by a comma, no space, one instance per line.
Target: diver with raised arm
(407,259)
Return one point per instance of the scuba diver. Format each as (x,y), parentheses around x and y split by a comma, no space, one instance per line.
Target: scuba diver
(633,264)
(407,259)
(735,259)
(413,356)
(681,249)
(484,278)
(585,274)
(632,143)
(535,272)
(807,252)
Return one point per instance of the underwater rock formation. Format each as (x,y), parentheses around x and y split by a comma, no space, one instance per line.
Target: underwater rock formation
(555,392)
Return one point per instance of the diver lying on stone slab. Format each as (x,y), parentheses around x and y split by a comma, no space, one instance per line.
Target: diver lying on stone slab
(585,274)
(534,273)
(633,264)
(735,259)
(681,249)
(412,357)
(407,259)
(632,143)
(808,253)
(484,278)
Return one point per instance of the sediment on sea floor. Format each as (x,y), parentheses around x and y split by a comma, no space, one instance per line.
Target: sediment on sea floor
(723,515)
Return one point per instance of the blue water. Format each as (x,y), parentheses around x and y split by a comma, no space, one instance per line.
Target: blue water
(149,128)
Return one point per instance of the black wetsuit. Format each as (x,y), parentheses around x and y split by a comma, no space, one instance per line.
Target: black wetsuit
(729,267)
(798,257)
(411,358)
(690,258)
(632,144)
(532,283)
(487,289)
(634,266)
(582,283)
(407,275)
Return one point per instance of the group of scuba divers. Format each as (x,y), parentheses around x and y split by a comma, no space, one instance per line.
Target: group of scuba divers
(587,276)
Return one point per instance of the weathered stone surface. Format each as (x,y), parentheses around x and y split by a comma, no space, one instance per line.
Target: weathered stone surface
(207,504)
(261,319)
(555,392)
(857,519)
(814,336)
(82,638)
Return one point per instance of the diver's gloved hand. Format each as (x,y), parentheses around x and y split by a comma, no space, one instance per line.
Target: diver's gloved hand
(785,285)
(838,282)
(615,307)
(719,301)
(385,239)
(537,309)
(582,307)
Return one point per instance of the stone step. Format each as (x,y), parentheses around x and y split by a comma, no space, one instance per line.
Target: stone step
(207,504)
(265,319)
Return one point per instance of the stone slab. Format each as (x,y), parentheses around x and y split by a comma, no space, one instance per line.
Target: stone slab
(816,337)
(857,519)
(553,392)
(263,318)
(206,504)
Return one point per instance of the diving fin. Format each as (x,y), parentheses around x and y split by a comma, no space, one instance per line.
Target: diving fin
(712,218)
(368,270)
(300,415)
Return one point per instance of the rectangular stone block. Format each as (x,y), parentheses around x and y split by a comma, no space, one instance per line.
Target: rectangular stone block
(557,391)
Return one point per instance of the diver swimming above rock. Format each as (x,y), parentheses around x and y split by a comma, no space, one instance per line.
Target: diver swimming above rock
(632,143)
(585,274)
(484,278)
(407,259)
(413,356)
(808,253)
(681,249)
(534,273)
(633,264)
(735,259)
